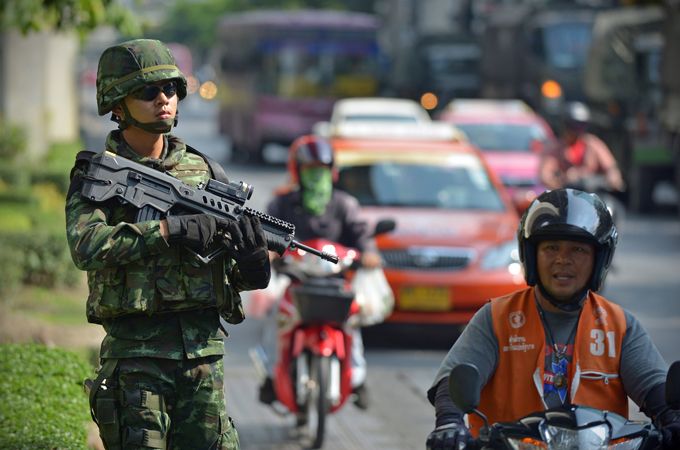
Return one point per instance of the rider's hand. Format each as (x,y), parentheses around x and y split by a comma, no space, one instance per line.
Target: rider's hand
(670,429)
(450,436)
(371,260)
(573,175)
(196,231)
(614,180)
(250,251)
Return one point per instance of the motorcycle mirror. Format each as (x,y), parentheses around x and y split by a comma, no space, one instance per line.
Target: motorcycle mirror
(536,146)
(673,386)
(464,387)
(384,226)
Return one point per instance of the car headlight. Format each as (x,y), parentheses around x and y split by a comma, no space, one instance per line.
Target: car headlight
(503,255)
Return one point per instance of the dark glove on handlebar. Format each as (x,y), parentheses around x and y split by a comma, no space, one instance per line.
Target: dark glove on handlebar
(196,231)
(250,251)
(451,436)
(670,429)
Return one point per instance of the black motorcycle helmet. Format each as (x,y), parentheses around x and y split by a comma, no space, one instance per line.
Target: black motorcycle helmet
(309,150)
(567,214)
(575,117)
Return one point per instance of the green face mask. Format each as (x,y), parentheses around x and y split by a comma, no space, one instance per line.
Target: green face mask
(316,184)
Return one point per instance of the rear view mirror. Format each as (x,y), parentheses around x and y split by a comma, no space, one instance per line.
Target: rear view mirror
(464,387)
(384,226)
(673,386)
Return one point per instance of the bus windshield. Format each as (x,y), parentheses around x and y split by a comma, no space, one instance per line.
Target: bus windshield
(566,44)
(314,66)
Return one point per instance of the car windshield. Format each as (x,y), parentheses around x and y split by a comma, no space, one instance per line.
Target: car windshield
(502,136)
(399,184)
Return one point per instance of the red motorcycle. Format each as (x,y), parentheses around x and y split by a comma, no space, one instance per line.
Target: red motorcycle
(313,369)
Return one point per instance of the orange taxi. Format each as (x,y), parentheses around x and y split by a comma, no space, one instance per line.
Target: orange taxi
(454,245)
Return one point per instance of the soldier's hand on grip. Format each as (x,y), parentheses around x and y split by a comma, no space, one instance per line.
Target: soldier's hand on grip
(196,231)
(250,251)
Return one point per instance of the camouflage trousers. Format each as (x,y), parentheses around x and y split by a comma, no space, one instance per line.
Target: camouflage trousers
(165,404)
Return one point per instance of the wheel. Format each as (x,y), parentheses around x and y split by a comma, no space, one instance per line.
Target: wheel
(316,406)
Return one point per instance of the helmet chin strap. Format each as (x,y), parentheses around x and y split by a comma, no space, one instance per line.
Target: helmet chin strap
(574,304)
(158,127)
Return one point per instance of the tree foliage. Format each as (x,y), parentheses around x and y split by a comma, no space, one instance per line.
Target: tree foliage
(80,15)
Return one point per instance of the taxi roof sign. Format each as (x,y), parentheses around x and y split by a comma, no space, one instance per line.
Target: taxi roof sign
(436,130)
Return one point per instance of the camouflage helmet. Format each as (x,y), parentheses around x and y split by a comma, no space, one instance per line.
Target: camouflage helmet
(130,65)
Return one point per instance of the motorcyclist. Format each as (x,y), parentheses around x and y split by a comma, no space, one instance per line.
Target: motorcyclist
(319,210)
(557,341)
(578,155)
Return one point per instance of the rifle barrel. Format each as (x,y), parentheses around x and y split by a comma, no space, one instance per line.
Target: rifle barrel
(321,254)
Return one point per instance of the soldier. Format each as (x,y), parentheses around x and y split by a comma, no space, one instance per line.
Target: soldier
(160,384)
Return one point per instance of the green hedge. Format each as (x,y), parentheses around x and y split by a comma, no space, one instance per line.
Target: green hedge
(32,222)
(37,258)
(42,402)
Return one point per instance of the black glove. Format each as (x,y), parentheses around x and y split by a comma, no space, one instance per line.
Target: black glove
(450,436)
(196,231)
(249,247)
(670,429)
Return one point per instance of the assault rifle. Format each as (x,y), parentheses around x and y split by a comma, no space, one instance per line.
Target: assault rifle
(156,194)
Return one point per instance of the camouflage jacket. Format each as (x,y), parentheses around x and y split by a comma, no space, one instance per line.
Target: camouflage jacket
(153,299)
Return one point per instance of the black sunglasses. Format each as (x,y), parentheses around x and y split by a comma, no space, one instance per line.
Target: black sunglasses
(151,91)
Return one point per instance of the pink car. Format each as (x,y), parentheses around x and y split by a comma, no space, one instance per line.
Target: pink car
(510,135)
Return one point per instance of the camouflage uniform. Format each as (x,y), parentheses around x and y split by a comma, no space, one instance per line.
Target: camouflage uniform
(162,356)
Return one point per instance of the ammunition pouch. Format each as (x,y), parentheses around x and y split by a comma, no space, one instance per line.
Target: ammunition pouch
(106,401)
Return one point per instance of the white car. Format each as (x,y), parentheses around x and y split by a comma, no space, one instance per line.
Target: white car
(372,110)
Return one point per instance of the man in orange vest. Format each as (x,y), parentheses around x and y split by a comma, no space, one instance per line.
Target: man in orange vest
(557,341)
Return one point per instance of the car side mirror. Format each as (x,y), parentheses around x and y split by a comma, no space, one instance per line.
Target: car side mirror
(322,129)
(536,146)
(521,199)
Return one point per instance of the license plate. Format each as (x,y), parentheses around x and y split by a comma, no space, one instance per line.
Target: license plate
(424,298)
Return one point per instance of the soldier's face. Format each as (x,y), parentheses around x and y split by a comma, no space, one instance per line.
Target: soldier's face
(148,109)
(564,267)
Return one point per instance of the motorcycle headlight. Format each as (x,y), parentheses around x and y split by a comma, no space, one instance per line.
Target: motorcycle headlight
(595,438)
(313,266)
(503,255)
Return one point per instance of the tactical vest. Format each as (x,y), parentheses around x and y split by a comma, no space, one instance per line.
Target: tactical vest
(516,387)
(173,280)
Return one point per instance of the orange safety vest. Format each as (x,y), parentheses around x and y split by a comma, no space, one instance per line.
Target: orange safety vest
(516,387)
